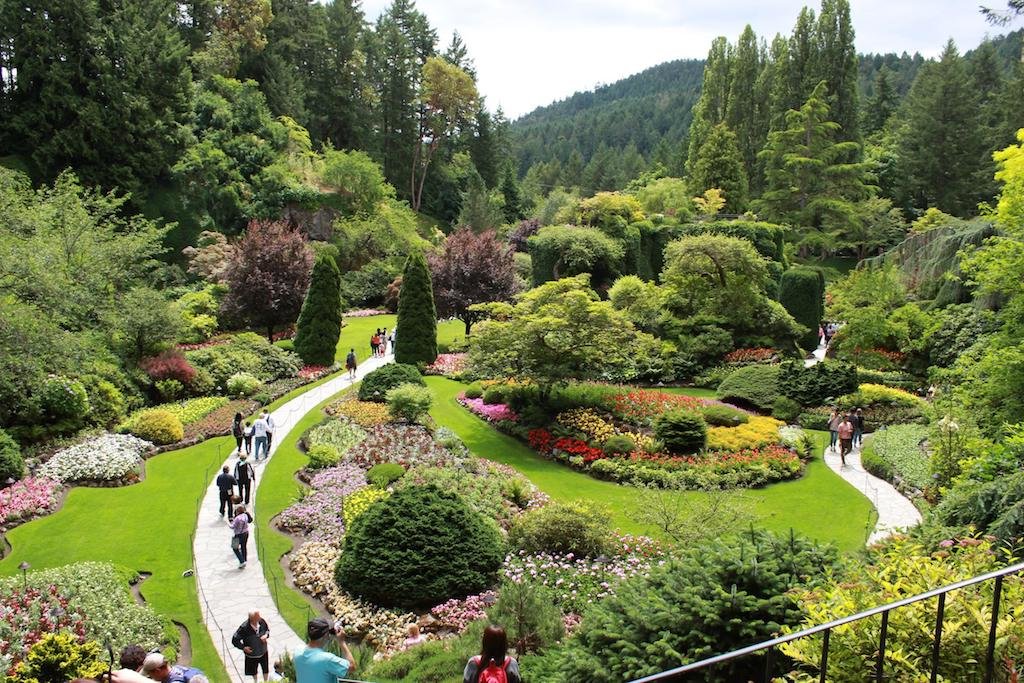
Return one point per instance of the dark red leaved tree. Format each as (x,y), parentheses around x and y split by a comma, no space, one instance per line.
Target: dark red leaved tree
(268,276)
(472,269)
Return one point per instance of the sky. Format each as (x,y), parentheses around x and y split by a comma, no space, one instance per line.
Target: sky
(529,53)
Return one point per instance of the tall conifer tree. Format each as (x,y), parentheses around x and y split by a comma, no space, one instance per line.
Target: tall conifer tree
(319,326)
(720,164)
(742,113)
(711,108)
(837,66)
(416,330)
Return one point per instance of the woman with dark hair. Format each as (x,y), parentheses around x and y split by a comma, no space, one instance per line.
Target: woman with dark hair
(238,431)
(492,665)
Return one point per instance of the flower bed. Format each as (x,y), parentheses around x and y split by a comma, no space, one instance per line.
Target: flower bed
(748,356)
(448,365)
(895,454)
(28,499)
(107,458)
(457,614)
(758,431)
(492,412)
(643,407)
(748,468)
(340,434)
(319,515)
(218,422)
(311,373)
(408,445)
(364,313)
(188,412)
(363,413)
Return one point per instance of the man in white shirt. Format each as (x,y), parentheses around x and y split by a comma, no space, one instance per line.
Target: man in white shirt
(270,429)
(260,441)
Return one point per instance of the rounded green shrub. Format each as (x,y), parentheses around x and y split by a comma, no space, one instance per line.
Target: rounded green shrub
(376,385)
(409,402)
(64,399)
(802,294)
(619,445)
(243,384)
(576,527)
(756,386)
(319,325)
(723,416)
(494,395)
(786,409)
(159,426)
(12,465)
(682,431)
(384,474)
(818,384)
(419,547)
(474,391)
(106,402)
(322,456)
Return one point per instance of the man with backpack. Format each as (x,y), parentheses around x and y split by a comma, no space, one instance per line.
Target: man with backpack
(226,484)
(245,475)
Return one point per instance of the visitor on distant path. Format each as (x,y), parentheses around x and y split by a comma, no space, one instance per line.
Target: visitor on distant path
(375,343)
(238,431)
(858,427)
(132,657)
(392,342)
(314,665)
(415,637)
(245,477)
(350,363)
(821,335)
(240,535)
(384,342)
(259,434)
(269,419)
(834,419)
(247,437)
(251,638)
(492,664)
(158,668)
(845,438)
(225,484)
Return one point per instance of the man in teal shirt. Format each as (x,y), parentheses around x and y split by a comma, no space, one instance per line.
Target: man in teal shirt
(313,665)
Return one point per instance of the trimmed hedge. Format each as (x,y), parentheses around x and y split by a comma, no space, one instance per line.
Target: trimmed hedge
(419,547)
(802,293)
(376,385)
(12,464)
(416,328)
(682,432)
(818,384)
(754,385)
(319,326)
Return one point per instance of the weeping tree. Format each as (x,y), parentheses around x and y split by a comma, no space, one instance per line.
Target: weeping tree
(319,326)
(416,329)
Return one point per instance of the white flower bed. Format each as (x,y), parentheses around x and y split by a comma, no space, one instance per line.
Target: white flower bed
(110,457)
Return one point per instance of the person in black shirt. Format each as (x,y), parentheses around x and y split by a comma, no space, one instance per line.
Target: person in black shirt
(226,484)
(245,475)
(251,638)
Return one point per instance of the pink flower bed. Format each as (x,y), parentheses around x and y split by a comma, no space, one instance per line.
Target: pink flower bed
(311,372)
(456,614)
(27,499)
(492,412)
(447,364)
(364,313)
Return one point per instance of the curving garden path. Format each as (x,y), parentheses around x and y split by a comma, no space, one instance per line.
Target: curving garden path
(227,593)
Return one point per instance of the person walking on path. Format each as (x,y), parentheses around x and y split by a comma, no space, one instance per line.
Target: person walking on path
(391,341)
(493,662)
(259,434)
(858,427)
(834,420)
(384,342)
(226,485)
(251,638)
(238,431)
(314,665)
(350,363)
(845,439)
(375,343)
(245,477)
(240,535)
(269,419)
(247,437)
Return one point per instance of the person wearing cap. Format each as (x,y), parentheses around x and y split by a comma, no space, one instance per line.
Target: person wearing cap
(314,665)
(251,638)
(157,668)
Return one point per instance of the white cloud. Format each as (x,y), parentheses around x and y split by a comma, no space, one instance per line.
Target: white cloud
(530,53)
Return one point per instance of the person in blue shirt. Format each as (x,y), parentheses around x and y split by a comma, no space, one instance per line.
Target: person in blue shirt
(314,665)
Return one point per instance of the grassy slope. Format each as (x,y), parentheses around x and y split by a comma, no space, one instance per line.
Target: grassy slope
(819,505)
(357,332)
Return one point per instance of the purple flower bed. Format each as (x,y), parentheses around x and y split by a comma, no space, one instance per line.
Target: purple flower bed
(492,412)
(408,445)
(319,515)
(28,499)
(456,614)
(363,313)
(447,364)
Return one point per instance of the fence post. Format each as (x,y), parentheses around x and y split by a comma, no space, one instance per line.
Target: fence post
(990,655)
(937,641)
(880,663)
(823,665)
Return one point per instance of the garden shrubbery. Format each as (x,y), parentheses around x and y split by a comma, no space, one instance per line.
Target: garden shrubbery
(322,456)
(723,416)
(159,426)
(384,474)
(417,548)
(376,385)
(895,454)
(12,464)
(578,528)
(409,402)
(682,431)
(817,384)
(753,385)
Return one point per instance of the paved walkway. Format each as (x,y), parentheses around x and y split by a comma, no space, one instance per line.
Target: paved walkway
(895,512)
(227,593)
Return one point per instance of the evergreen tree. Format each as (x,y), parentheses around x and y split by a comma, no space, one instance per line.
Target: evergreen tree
(572,171)
(513,208)
(808,183)
(483,148)
(713,104)
(601,173)
(416,329)
(720,164)
(837,65)
(801,62)
(319,326)
(480,208)
(338,111)
(457,54)
(941,146)
(742,114)
(774,83)
(882,104)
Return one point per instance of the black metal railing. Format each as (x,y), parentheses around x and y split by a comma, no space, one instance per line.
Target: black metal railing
(878,674)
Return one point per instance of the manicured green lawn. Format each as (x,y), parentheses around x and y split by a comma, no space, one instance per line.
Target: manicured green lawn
(147,527)
(819,504)
(357,332)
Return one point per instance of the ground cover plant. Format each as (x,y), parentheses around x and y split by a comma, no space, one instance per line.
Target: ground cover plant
(109,458)
(899,454)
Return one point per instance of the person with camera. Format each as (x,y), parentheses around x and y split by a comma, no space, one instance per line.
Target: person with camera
(314,665)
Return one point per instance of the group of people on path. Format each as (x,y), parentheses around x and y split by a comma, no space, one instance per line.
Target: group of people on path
(255,435)
(825,333)
(845,429)
(381,341)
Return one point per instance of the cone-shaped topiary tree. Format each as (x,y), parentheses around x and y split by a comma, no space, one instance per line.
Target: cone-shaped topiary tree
(319,325)
(416,330)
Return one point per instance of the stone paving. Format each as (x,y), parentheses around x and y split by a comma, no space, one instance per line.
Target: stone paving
(227,593)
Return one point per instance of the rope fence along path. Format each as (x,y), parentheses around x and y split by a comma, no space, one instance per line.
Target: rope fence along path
(227,593)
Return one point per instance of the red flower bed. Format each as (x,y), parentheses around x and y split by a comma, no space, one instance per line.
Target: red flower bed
(542,441)
(30,614)
(745,356)
(314,372)
(721,460)
(641,407)
(287,333)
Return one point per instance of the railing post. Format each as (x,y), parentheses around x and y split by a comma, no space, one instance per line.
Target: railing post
(823,665)
(937,641)
(768,665)
(880,663)
(990,655)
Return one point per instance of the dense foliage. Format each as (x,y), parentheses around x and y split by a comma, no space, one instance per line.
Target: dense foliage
(376,385)
(416,330)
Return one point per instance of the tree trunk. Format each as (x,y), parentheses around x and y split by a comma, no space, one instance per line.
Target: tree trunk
(468,320)
(270,333)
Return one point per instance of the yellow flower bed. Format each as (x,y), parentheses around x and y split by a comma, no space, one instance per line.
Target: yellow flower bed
(360,501)
(757,432)
(588,422)
(363,413)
